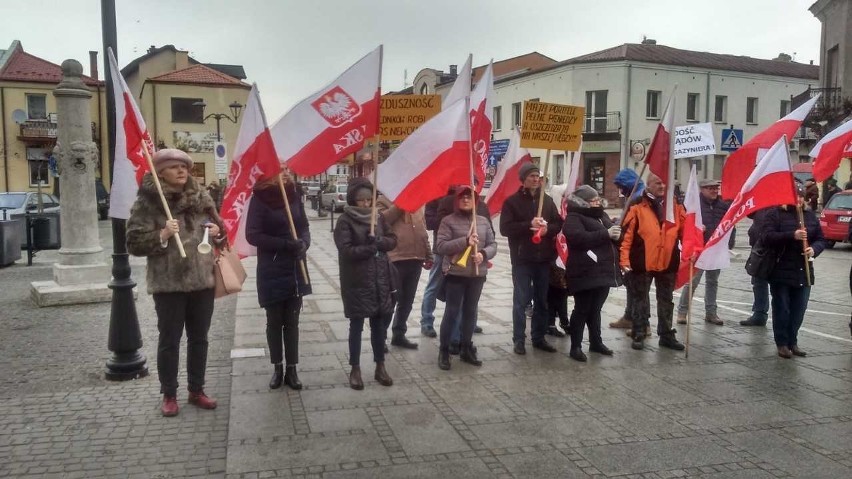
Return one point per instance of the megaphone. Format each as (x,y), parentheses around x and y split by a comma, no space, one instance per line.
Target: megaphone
(204,247)
(536,239)
(462,261)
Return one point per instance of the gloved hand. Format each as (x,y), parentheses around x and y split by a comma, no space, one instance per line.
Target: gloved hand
(614,232)
(427,265)
(296,247)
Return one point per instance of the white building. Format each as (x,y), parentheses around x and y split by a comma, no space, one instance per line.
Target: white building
(625,90)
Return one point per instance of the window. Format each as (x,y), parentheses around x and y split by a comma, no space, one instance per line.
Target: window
(516,115)
(37,107)
(720,111)
(498,118)
(184,110)
(559,163)
(785,108)
(652,104)
(38,172)
(751,111)
(692,106)
(424,89)
(595,111)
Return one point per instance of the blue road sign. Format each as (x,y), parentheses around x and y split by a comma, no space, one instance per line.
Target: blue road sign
(732,139)
(497,151)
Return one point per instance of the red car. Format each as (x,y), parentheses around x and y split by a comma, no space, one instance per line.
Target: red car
(835,218)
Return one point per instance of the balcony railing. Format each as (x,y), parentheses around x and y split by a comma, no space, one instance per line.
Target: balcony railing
(831,99)
(44,131)
(610,122)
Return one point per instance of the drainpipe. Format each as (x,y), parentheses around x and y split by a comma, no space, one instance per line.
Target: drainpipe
(626,155)
(101,136)
(5,145)
(154,102)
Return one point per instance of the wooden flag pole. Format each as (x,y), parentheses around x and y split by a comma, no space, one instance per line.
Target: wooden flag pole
(374,213)
(689,305)
(162,196)
(804,242)
(475,196)
(292,227)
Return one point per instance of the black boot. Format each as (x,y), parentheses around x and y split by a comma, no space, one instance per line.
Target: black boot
(454,348)
(669,341)
(277,377)
(401,341)
(468,355)
(291,379)
(444,360)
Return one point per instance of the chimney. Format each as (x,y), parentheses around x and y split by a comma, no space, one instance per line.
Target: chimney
(454,70)
(181,59)
(93,64)
(153,47)
(812,62)
(649,41)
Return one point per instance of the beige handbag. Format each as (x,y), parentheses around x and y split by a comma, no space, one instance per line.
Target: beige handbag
(229,273)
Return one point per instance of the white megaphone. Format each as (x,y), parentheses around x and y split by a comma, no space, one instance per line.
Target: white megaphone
(204,247)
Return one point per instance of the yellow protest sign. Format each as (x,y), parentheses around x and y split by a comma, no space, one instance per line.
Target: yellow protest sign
(400,115)
(551,126)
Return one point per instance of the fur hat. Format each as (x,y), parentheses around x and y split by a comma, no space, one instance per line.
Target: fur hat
(170,156)
(583,195)
(527,169)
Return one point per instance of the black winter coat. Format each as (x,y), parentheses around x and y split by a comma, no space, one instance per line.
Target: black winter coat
(367,276)
(712,212)
(592,255)
(279,275)
(515,217)
(778,227)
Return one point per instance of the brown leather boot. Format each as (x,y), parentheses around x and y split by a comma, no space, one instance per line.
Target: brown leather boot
(622,323)
(382,375)
(355,381)
(202,400)
(170,406)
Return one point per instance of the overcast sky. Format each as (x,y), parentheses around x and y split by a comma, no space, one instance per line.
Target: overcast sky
(292,48)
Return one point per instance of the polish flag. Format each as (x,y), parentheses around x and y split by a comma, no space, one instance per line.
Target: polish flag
(506,181)
(130,133)
(561,243)
(481,121)
(770,184)
(254,159)
(741,163)
(333,122)
(830,150)
(461,86)
(693,229)
(659,157)
(431,159)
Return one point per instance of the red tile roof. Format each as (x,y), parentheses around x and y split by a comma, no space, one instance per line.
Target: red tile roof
(24,67)
(199,75)
(520,64)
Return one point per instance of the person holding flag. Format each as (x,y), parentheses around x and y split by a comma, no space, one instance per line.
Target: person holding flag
(631,187)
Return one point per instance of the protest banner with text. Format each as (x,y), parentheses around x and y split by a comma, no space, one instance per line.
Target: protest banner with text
(694,140)
(551,126)
(400,115)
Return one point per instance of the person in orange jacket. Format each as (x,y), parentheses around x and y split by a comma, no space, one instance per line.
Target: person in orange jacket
(649,252)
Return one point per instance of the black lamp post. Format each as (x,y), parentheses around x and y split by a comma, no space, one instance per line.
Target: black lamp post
(236,108)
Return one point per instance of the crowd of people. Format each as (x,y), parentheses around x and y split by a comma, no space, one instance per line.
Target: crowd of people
(383,251)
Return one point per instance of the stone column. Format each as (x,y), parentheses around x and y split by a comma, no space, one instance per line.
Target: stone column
(81,275)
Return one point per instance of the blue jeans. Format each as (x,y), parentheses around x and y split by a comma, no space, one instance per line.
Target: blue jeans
(530,282)
(760,289)
(711,287)
(430,294)
(788,311)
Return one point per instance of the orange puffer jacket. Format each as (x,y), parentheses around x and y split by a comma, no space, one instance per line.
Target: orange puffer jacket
(648,244)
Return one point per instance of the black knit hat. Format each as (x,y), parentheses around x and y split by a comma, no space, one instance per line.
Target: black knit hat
(527,169)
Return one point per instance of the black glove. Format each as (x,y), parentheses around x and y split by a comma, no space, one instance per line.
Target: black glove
(295,246)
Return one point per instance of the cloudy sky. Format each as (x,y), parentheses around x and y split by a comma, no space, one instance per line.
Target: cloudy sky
(292,48)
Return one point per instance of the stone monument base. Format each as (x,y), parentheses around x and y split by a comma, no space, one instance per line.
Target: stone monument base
(50,293)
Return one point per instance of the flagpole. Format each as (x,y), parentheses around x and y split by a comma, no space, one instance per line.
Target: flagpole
(474,193)
(801,217)
(541,185)
(689,305)
(632,192)
(292,225)
(374,211)
(162,196)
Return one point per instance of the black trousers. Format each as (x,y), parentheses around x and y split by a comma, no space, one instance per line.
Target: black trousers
(587,312)
(378,334)
(282,321)
(462,295)
(557,306)
(664,282)
(175,311)
(409,276)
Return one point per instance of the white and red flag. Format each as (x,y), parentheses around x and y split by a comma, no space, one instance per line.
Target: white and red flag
(741,163)
(571,184)
(770,184)
(461,86)
(254,159)
(693,229)
(481,121)
(431,159)
(659,157)
(506,180)
(828,152)
(333,122)
(130,132)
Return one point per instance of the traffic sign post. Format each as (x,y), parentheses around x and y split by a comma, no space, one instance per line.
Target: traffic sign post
(732,139)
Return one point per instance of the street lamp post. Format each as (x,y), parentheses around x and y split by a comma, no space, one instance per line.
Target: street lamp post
(236,108)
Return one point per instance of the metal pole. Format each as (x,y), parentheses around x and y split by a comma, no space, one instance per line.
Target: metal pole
(125,338)
(218,131)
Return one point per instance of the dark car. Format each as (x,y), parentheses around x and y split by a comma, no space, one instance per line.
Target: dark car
(836,217)
(103,199)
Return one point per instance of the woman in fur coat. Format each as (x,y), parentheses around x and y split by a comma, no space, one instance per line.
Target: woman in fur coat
(183,288)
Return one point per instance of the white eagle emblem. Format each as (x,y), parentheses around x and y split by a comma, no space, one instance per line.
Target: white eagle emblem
(337,106)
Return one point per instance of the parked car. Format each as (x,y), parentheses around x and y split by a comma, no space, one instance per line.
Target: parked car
(20,202)
(103,199)
(334,197)
(311,188)
(836,217)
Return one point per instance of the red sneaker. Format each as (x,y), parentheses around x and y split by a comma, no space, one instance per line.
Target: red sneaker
(201,400)
(170,406)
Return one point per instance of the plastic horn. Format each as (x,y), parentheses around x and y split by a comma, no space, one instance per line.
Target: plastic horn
(204,247)
(463,260)
(536,239)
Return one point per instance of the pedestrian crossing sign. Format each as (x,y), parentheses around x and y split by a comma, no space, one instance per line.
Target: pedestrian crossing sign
(732,139)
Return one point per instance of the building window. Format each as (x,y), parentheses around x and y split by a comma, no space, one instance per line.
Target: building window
(184,110)
(652,105)
(424,89)
(785,108)
(692,106)
(751,111)
(720,112)
(37,107)
(38,172)
(516,115)
(498,118)
(534,99)
(595,111)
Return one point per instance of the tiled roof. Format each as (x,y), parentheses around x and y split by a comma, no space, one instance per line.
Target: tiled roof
(523,63)
(663,55)
(235,71)
(199,75)
(21,66)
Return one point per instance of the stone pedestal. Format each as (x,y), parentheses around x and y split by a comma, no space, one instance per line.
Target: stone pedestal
(81,275)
